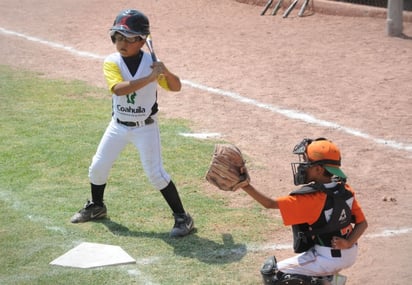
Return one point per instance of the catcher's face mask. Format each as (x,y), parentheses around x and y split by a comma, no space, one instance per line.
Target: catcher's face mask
(316,152)
(299,168)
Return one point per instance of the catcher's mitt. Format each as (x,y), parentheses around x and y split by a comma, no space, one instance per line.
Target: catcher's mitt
(227,170)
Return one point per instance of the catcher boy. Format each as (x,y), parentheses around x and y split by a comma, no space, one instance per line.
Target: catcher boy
(325,216)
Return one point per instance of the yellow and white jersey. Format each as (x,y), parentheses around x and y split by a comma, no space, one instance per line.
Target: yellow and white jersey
(136,106)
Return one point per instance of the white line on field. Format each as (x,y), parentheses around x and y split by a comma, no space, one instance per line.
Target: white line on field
(297,115)
(201,135)
(52,44)
(390,233)
(282,246)
(289,113)
(140,276)
(7,196)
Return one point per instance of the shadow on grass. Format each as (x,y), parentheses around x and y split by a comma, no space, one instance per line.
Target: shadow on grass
(191,246)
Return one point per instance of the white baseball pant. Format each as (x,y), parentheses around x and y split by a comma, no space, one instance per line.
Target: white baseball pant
(146,139)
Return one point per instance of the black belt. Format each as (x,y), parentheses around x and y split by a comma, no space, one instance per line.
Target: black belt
(148,121)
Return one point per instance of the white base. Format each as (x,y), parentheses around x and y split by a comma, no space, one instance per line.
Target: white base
(90,255)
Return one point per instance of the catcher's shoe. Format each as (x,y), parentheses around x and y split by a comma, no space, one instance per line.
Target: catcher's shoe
(89,212)
(183,225)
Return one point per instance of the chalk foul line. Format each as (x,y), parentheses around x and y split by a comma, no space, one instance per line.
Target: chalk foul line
(289,113)
(297,115)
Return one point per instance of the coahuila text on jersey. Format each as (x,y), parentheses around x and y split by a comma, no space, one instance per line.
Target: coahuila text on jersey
(121,108)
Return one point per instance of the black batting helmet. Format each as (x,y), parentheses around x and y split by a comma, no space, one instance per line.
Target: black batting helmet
(130,23)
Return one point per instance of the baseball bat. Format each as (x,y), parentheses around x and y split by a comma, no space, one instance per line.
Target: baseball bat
(266,7)
(302,9)
(149,44)
(277,6)
(161,79)
(290,8)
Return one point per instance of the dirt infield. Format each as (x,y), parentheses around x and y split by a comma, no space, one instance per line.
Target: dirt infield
(334,7)
(275,81)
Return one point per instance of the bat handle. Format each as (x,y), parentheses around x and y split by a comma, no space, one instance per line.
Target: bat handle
(302,9)
(150,47)
(154,57)
(266,7)
(290,8)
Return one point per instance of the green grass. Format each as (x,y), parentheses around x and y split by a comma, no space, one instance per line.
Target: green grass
(49,132)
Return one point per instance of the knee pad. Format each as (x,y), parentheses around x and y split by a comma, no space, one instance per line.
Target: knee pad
(269,270)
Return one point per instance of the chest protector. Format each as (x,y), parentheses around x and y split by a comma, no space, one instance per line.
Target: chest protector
(336,215)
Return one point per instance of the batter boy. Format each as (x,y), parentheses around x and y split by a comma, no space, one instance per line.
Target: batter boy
(132,77)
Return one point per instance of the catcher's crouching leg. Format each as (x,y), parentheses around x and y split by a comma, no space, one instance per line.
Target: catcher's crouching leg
(269,270)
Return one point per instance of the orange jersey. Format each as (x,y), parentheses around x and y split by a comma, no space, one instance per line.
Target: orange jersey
(307,208)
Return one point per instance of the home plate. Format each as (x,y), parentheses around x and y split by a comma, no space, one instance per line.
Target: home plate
(90,255)
(201,135)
